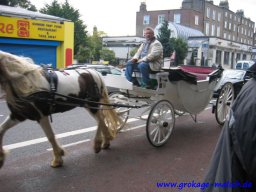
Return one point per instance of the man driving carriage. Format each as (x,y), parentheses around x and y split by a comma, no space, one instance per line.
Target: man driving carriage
(149,57)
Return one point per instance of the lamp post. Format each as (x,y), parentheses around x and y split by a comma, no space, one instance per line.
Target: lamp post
(128,52)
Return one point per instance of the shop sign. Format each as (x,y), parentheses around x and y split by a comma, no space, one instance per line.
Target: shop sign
(31,29)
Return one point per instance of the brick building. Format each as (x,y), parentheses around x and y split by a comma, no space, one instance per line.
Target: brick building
(231,33)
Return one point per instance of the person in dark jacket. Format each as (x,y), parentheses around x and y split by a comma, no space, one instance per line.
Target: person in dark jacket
(233,165)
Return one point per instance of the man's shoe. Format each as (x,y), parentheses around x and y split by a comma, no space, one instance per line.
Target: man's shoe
(135,83)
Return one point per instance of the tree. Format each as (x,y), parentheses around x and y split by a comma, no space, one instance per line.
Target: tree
(84,55)
(95,43)
(164,37)
(21,3)
(192,59)
(66,11)
(181,48)
(107,55)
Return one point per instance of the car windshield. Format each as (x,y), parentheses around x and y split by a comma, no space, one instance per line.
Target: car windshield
(246,66)
(239,66)
(115,71)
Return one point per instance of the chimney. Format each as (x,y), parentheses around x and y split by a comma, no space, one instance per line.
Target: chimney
(143,7)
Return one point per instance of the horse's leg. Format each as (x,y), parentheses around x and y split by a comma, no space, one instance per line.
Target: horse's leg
(58,152)
(103,136)
(98,136)
(7,124)
(107,137)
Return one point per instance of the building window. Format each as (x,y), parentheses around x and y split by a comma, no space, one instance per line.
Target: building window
(230,16)
(213,30)
(213,14)
(226,14)
(207,29)
(196,20)
(219,16)
(225,24)
(218,31)
(161,19)
(234,27)
(146,19)
(235,18)
(230,26)
(177,18)
(225,35)
(208,10)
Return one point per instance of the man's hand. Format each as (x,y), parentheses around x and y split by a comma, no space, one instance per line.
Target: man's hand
(134,60)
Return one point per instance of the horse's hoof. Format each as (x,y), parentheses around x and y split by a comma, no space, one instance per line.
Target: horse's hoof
(106,146)
(56,164)
(97,149)
(97,146)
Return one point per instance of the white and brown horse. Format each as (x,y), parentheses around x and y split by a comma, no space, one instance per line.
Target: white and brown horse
(20,78)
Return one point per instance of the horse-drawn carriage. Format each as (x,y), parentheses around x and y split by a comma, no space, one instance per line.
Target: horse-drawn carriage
(34,93)
(183,89)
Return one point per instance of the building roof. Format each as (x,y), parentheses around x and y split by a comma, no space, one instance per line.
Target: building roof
(24,13)
(180,31)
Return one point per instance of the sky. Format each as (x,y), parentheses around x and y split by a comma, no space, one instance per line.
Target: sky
(105,14)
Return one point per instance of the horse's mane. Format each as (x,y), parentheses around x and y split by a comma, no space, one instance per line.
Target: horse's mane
(20,75)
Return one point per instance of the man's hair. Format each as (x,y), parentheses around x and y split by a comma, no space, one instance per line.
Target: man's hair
(149,29)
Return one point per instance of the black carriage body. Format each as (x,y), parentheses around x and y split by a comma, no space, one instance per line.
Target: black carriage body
(236,81)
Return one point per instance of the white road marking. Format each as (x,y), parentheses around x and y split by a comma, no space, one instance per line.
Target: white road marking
(87,140)
(72,144)
(62,135)
(67,134)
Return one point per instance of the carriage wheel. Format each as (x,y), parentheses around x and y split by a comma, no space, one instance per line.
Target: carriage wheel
(224,102)
(160,123)
(123,112)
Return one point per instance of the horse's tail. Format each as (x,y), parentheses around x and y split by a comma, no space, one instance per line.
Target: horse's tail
(112,120)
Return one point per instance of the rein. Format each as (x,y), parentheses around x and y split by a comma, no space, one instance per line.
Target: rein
(73,101)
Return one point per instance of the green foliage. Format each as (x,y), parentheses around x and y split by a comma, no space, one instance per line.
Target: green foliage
(107,55)
(192,60)
(84,55)
(181,48)
(164,36)
(66,11)
(22,3)
(95,43)
(133,51)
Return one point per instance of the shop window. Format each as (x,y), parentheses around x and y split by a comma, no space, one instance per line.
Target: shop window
(226,58)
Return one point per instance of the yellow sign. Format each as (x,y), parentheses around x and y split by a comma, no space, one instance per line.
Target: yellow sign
(31,29)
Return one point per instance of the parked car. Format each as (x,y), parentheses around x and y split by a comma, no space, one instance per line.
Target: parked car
(226,91)
(244,64)
(103,69)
